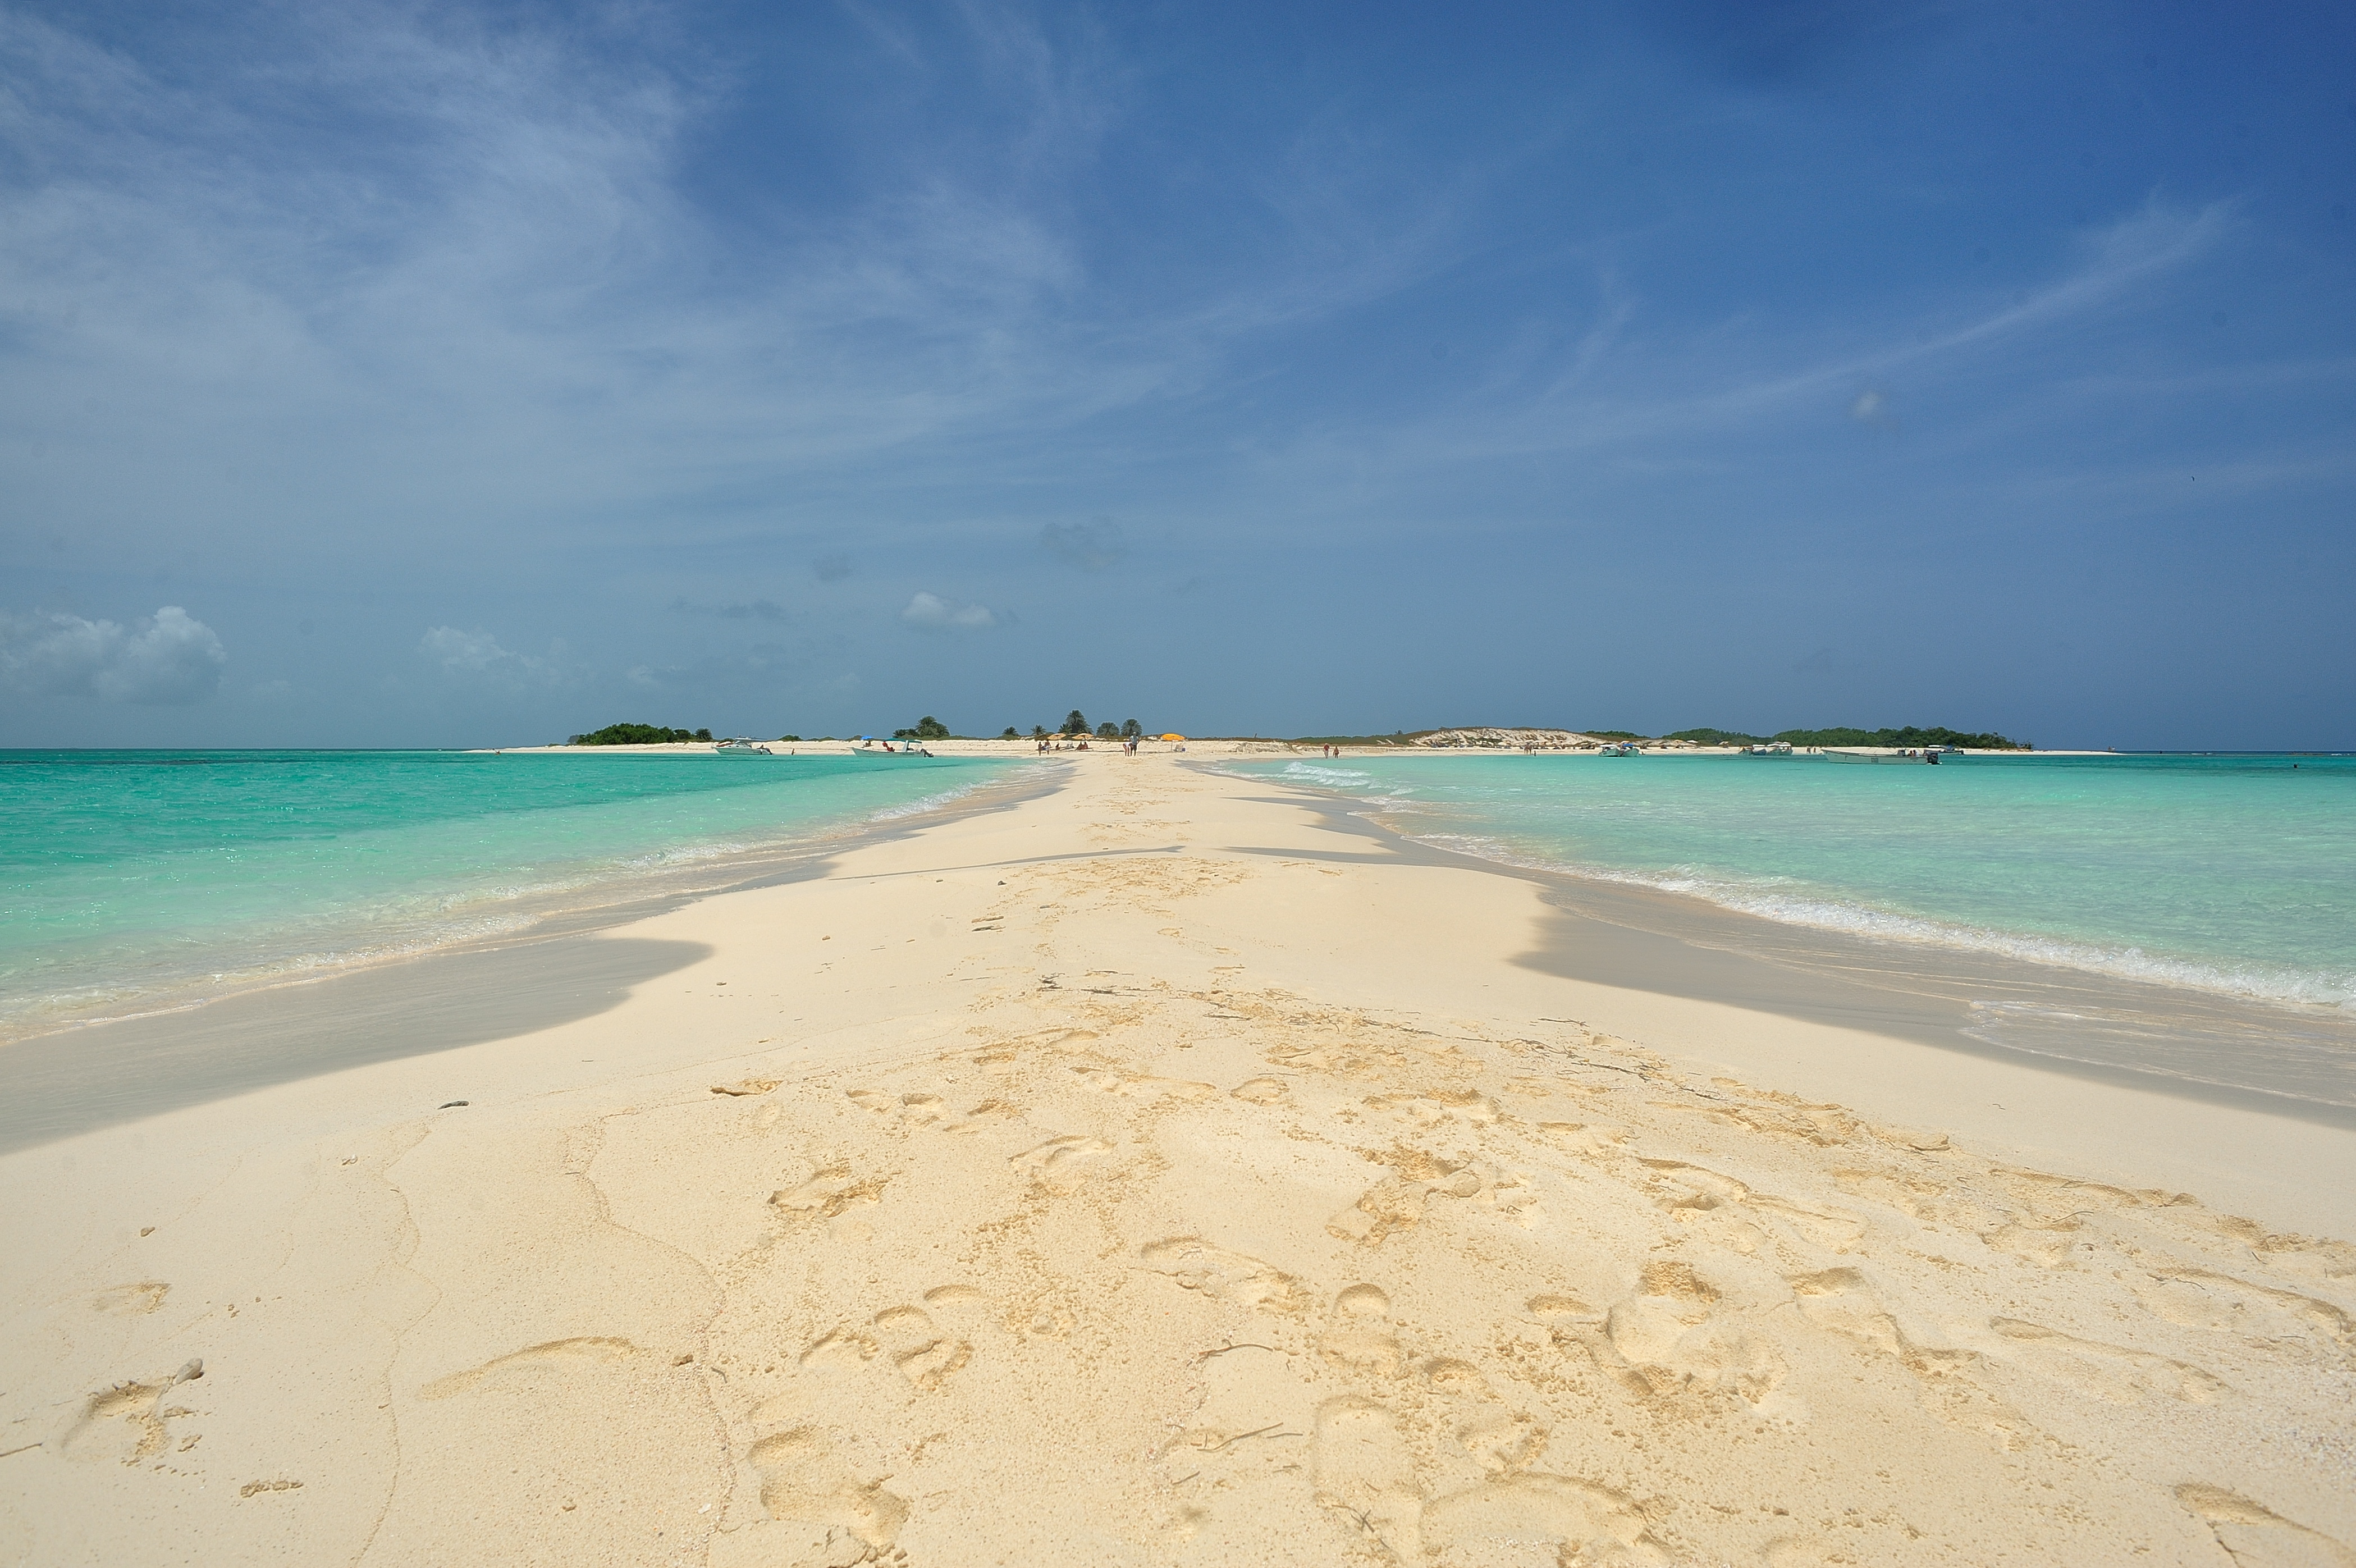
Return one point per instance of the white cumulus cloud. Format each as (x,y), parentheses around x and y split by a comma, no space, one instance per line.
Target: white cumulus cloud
(170,659)
(935,613)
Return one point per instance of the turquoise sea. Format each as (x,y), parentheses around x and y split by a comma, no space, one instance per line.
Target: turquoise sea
(131,880)
(2225,874)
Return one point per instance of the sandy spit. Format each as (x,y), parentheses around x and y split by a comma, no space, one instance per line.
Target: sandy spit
(1146,1174)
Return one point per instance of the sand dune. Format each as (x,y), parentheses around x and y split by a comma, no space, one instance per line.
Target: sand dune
(1144,1174)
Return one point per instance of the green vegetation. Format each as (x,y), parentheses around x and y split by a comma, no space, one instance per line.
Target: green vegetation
(1909,735)
(1130,729)
(926,728)
(1011,733)
(1038,732)
(1107,731)
(789,737)
(1074,722)
(638,735)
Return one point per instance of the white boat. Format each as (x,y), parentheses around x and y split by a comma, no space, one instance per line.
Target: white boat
(1768,748)
(742,746)
(1912,754)
(1623,748)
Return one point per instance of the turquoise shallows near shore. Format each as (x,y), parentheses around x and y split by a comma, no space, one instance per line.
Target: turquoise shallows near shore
(136,878)
(2228,873)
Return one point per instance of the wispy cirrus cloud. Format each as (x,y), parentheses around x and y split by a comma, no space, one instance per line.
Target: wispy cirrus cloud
(495,227)
(1633,391)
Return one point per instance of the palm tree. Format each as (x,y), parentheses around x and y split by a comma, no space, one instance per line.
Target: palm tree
(1075,722)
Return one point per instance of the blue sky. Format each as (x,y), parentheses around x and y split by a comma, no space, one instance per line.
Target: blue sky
(451,374)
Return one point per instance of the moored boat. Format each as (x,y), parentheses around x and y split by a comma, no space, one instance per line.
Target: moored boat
(1910,754)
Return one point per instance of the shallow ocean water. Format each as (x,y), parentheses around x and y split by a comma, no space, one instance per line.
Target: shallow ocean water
(131,880)
(2234,875)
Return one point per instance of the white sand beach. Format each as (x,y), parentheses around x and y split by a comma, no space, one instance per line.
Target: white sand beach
(1148,1172)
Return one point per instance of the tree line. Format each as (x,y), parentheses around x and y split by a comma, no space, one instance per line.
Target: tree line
(1074,728)
(638,735)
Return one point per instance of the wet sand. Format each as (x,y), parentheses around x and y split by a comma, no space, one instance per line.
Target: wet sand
(2226,1050)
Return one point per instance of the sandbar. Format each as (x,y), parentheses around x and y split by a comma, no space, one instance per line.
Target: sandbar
(1157,1169)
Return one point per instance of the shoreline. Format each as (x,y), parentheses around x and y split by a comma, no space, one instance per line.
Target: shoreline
(84,1076)
(1599,930)
(1150,1171)
(1687,946)
(616,899)
(1835,914)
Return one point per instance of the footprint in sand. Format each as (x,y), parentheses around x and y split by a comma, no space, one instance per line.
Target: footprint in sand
(1675,1336)
(1591,1138)
(903,1110)
(2256,1536)
(1197,1265)
(805,1481)
(955,1296)
(1503,1518)
(2114,1373)
(585,1349)
(1063,1166)
(1362,1339)
(841,1348)
(1364,1472)
(1689,1191)
(1444,1105)
(1559,1311)
(1259,1091)
(1839,1301)
(982,1114)
(128,1421)
(1390,1206)
(923,1355)
(133,1300)
(1145,1086)
(2049,1246)
(1501,1442)
(1398,1202)
(826,1193)
(2201,1298)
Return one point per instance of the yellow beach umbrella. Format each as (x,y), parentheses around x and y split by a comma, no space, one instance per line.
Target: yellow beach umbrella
(1174,737)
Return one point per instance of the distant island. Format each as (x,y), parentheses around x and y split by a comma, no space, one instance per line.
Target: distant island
(1491,735)
(1075,727)
(1909,735)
